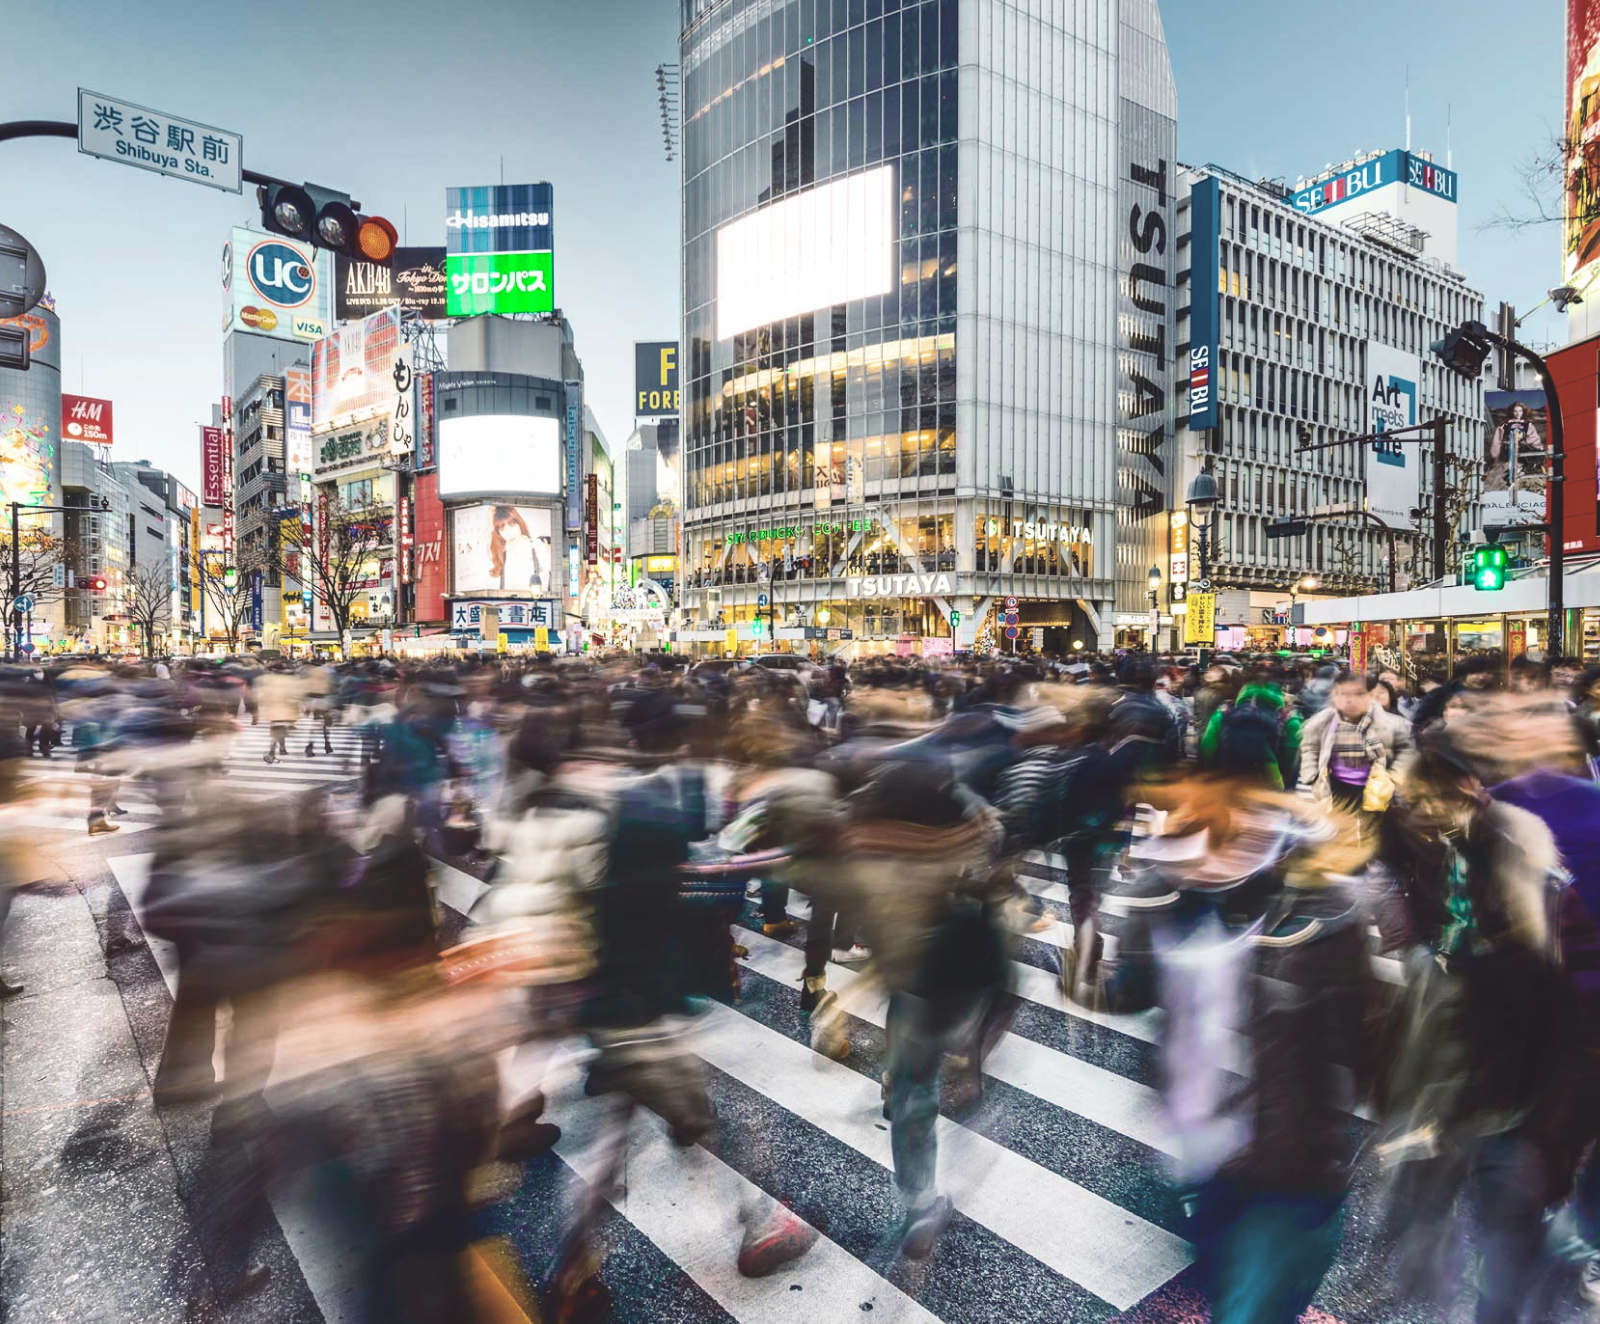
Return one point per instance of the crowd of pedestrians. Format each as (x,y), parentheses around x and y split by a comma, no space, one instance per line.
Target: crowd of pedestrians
(1366,915)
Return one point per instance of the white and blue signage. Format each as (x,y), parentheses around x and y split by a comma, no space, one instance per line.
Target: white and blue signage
(256,612)
(276,287)
(499,218)
(1205,212)
(1397,167)
(467,616)
(1393,468)
(574,402)
(117,130)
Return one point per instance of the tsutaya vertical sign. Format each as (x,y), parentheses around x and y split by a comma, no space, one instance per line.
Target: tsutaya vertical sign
(1146,259)
(1204,233)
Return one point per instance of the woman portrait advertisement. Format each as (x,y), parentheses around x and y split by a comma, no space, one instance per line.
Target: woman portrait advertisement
(503,549)
(1514,455)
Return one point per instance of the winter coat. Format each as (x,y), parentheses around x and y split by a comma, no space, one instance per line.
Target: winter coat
(1317,740)
(1289,975)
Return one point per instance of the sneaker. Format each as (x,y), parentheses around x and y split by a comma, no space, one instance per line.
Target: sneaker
(784,928)
(267,758)
(922,1228)
(854,954)
(777,1240)
(9,990)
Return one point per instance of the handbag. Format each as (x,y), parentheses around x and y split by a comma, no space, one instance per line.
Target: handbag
(1379,790)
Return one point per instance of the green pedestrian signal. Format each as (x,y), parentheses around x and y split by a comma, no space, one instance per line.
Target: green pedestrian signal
(1489,565)
(758,627)
(955,618)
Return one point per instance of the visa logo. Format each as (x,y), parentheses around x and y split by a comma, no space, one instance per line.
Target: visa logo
(309,328)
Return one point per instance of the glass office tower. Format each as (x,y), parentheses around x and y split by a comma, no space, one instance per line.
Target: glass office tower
(928,282)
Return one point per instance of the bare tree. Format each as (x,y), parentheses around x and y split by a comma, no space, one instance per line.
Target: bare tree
(338,562)
(1540,198)
(226,590)
(147,598)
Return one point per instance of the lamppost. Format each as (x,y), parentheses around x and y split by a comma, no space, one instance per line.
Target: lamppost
(1155,607)
(1464,352)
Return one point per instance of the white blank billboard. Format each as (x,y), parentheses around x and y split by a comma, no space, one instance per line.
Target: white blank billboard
(828,245)
(500,454)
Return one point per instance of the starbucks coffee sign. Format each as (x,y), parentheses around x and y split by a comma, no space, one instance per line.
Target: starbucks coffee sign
(898,586)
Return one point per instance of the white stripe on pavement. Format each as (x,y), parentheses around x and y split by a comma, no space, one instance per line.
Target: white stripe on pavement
(1082,1236)
(52,823)
(686,1202)
(1112,1101)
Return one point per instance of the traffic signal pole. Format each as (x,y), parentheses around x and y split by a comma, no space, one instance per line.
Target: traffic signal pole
(16,584)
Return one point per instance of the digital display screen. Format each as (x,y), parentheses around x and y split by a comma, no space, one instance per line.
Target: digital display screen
(826,246)
(499,453)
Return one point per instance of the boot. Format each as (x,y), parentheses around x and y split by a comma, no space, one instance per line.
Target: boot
(812,995)
(311,749)
(9,990)
(923,1226)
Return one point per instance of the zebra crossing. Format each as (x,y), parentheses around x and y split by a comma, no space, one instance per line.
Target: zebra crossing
(62,790)
(1056,1171)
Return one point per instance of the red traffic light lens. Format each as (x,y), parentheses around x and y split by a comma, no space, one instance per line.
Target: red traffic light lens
(376,239)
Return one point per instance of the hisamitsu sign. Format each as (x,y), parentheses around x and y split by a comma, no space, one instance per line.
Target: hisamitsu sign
(154,140)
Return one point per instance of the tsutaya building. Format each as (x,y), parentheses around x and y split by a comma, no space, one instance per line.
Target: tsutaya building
(930,318)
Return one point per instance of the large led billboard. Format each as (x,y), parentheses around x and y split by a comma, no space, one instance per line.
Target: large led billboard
(825,246)
(502,548)
(414,280)
(499,249)
(272,286)
(510,454)
(1581,227)
(353,369)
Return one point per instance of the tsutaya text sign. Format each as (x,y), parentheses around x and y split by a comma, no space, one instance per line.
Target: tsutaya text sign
(898,586)
(154,140)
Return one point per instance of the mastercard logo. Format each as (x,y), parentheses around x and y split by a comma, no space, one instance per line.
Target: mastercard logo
(262,319)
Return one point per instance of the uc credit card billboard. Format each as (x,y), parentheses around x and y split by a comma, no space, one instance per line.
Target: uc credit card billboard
(499,249)
(272,286)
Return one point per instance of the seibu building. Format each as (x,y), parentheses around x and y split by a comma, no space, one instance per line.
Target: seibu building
(929,280)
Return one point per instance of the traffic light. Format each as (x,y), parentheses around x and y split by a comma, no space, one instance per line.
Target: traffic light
(955,619)
(1465,350)
(326,219)
(758,627)
(1489,567)
(95,583)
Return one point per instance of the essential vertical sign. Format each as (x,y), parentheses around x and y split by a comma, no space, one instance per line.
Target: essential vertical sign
(1205,206)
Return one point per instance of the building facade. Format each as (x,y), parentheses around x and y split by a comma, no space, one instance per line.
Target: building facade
(1308,317)
(929,296)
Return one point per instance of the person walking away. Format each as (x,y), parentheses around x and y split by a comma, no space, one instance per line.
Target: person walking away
(278,694)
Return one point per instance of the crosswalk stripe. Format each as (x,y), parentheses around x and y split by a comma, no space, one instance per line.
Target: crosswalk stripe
(53,823)
(1110,1100)
(700,1234)
(1112,1252)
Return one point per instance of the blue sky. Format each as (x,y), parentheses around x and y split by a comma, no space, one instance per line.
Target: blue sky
(420,96)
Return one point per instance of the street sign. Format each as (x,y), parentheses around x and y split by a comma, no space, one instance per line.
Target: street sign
(28,648)
(23,602)
(762,599)
(1200,619)
(1011,632)
(154,140)
(1010,604)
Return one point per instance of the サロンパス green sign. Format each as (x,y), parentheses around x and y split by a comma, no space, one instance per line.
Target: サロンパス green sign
(499,283)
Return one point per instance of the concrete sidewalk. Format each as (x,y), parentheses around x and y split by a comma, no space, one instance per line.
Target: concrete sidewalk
(95,1184)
